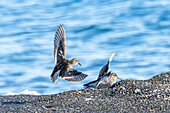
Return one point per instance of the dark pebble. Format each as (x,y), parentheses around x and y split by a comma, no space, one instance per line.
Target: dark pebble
(143,96)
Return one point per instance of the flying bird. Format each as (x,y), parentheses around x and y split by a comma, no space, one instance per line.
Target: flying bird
(63,67)
(105,78)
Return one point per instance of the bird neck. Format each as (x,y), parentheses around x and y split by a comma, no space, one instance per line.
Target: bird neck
(112,80)
(71,64)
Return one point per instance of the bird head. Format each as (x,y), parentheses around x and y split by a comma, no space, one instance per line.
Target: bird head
(114,75)
(75,61)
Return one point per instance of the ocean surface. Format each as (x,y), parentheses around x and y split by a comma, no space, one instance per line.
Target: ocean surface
(137,30)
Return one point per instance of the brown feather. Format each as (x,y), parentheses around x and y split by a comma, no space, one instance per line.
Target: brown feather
(59,44)
(74,75)
(63,66)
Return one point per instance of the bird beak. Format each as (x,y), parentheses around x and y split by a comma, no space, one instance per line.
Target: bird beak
(79,64)
(119,78)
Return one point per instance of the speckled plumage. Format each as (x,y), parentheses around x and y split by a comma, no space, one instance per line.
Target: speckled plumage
(63,67)
(105,78)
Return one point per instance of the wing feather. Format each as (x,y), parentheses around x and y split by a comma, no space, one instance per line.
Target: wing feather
(91,84)
(105,68)
(74,75)
(59,44)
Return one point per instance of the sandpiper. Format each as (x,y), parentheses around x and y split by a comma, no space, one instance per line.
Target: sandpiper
(63,67)
(105,78)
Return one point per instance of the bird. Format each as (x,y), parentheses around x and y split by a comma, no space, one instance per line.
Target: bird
(63,67)
(105,78)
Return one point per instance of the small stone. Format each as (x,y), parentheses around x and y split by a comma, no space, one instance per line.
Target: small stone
(134,107)
(137,91)
(121,87)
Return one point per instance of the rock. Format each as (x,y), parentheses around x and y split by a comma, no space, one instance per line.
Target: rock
(137,91)
(150,95)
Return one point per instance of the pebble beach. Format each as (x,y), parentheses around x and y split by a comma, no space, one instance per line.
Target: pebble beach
(150,95)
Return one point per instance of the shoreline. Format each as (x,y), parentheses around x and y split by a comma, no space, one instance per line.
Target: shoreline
(150,95)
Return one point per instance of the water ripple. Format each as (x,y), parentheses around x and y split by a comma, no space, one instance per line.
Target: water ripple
(138,31)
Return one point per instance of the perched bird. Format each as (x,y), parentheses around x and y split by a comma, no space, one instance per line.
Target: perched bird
(105,78)
(63,67)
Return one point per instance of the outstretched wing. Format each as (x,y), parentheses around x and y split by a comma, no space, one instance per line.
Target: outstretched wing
(105,68)
(59,44)
(74,75)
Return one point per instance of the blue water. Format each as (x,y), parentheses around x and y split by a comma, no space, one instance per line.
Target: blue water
(138,31)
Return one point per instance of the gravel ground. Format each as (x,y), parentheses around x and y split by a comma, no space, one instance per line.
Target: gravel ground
(142,96)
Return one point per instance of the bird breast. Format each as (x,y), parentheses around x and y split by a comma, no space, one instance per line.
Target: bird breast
(112,80)
(71,65)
